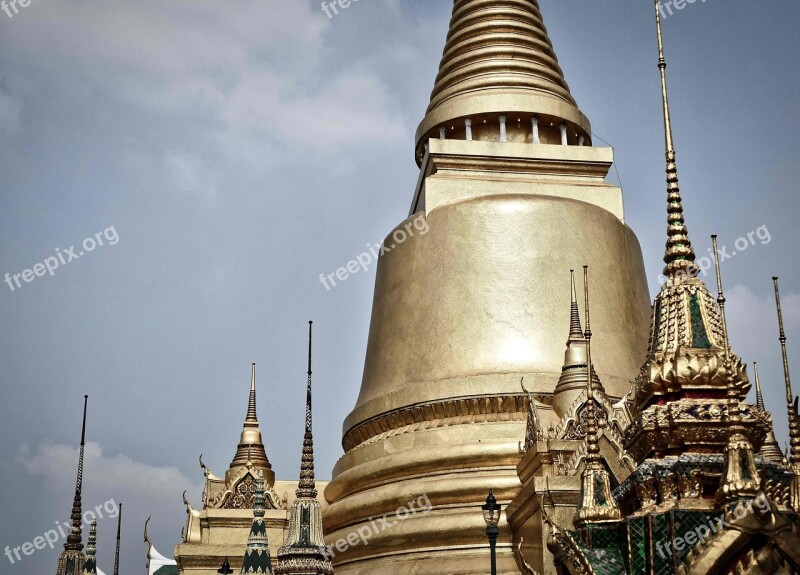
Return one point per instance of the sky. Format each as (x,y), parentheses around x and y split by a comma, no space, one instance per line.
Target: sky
(212,159)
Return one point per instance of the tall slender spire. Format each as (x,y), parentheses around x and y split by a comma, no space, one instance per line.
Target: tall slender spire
(307,486)
(759,395)
(90,564)
(679,256)
(597,503)
(741,477)
(256,556)
(303,551)
(251,445)
(592,444)
(792,406)
(75,536)
(575,332)
(72,559)
(119,532)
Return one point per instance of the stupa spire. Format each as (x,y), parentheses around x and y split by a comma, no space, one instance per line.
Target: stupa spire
(251,445)
(499,64)
(740,477)
(679,256)
(307,486)
(303,551)
(72,559)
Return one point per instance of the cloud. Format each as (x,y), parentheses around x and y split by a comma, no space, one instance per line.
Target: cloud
(239,69)
(116,474)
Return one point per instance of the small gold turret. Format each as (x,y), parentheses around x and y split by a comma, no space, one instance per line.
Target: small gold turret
(771,449)
(250,450)
(572,383)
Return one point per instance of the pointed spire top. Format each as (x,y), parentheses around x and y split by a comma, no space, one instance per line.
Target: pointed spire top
(307,487)
(679,256)
(90,564)
(575,331)
(252,416)
(250,452)
(75,537)
(116,552)
(759,395)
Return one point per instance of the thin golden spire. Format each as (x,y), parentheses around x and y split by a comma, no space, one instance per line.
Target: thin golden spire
(792,406)
(740,477)
(782,338)
(679,256)
(759,395)
(592,445)
(575,331)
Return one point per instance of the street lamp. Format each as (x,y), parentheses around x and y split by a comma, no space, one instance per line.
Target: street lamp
(226,568)
(491,514)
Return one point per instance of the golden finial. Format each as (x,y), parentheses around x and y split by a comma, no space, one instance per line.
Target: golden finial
(759,395)
(575,332)
(741,477)
(679,256)
(592,447)
(792,406)
(782,338)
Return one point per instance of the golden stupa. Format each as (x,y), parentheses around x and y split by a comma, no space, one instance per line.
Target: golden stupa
(514,194)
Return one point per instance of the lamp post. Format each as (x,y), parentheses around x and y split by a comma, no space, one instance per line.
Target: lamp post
(226,568)
(491,514)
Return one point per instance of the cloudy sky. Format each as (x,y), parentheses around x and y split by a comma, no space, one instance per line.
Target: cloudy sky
(227,153)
